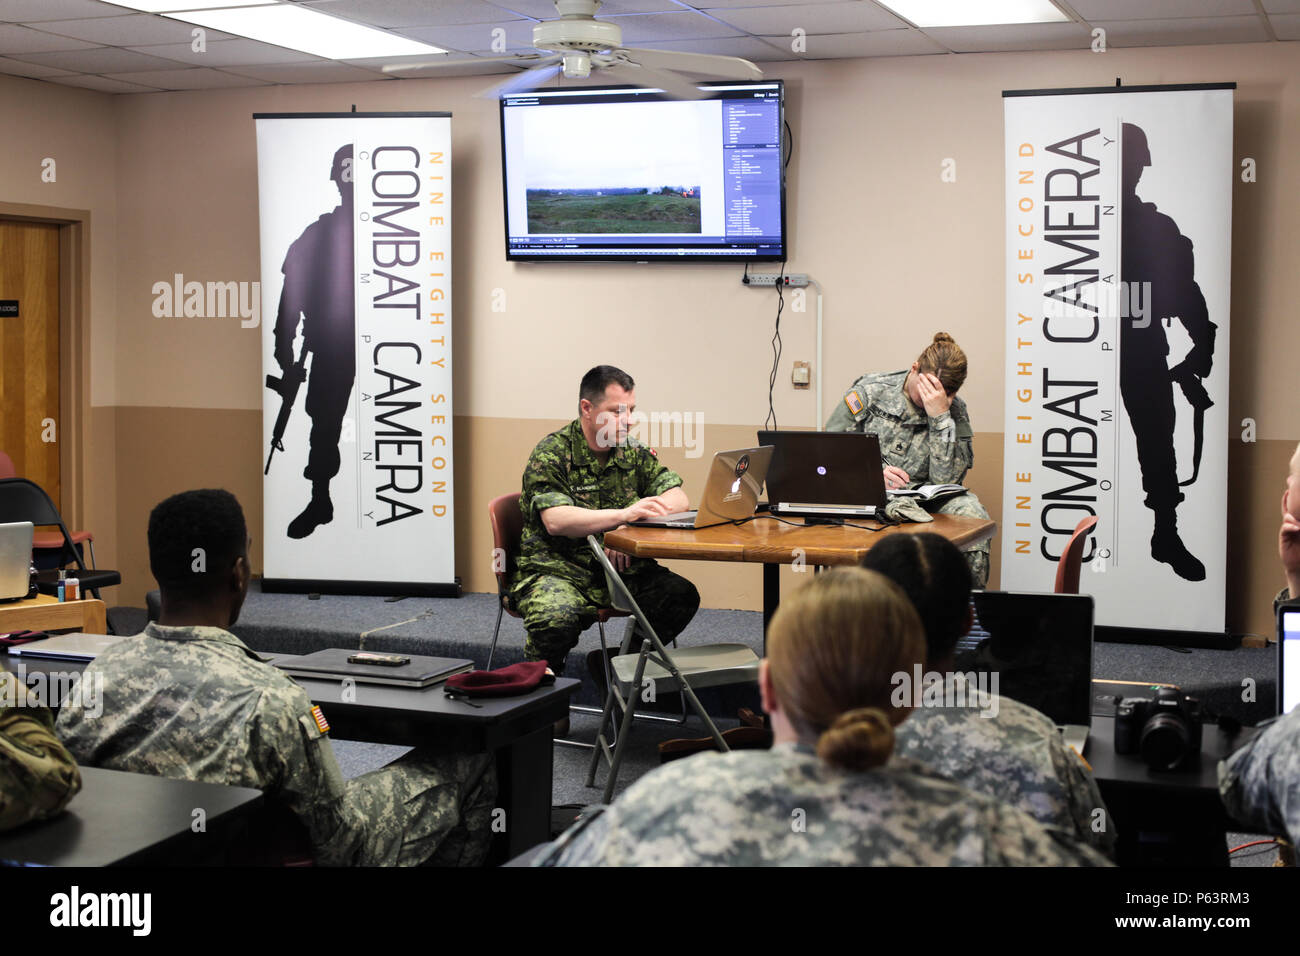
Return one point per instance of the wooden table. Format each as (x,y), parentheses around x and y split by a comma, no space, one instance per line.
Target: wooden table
(47,613)
(771,542)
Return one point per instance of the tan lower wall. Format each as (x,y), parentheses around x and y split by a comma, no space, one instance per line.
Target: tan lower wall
(161,451)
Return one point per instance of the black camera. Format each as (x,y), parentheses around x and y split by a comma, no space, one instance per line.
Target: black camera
(1165,730)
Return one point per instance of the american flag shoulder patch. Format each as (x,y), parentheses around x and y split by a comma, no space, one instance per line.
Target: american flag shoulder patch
(853,401)
(319,716)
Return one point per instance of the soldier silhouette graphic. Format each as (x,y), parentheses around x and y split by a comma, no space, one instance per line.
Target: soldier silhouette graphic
(318,276)
(1154,251)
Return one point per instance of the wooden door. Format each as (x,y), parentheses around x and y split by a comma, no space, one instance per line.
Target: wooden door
(30,427)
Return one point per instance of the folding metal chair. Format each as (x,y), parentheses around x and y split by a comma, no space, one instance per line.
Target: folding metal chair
(704,665)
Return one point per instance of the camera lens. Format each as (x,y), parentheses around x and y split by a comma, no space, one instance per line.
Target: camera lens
(1164,741)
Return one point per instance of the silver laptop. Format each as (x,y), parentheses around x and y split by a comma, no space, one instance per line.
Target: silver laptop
(15,560)
(69,647)
(730,492)
(1288,657)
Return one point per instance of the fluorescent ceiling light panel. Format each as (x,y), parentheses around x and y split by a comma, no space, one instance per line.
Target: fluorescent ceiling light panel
(170,6)
(970,13)
(301,29)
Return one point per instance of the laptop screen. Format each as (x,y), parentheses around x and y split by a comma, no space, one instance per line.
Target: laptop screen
(1288,675)
(1039,646)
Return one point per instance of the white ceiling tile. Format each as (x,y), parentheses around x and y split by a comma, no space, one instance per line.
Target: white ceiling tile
(1286,25)
(102,60)
(1282,6)
(476,38)
(1131,33)
(410,13)
(1092,10)
(908,42)
(324,72)
(19,39)
(545,9)
(641,29)
(102,84)
(30,11)
(19,68)
(751,48)
(194,79)
(812,18)
(221,53)
(140,30)
(1013,37)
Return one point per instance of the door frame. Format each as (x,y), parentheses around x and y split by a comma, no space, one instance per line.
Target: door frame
(74,346)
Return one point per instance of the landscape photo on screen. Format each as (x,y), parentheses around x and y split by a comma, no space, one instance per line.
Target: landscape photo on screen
(585,177)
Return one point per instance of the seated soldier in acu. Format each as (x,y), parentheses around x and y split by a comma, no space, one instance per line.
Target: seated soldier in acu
(187,699)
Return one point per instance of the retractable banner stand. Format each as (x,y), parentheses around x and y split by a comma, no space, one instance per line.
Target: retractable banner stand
(357,405)
(1119,224)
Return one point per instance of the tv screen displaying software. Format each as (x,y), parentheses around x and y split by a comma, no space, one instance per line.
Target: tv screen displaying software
(622,173)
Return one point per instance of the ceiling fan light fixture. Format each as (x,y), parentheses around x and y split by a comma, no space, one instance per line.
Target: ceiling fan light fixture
(587,36)
(577,66)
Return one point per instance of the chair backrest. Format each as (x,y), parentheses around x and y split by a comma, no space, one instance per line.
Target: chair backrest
(23,500)
(507,529)
(7,469)
(620,598)
(1067,569)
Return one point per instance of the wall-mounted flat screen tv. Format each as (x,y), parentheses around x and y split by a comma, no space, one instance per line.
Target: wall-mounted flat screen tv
(609,173)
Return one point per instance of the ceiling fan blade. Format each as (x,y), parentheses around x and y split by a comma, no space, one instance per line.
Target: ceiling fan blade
(705,64)
(526,80)
(675,86)
(524,59)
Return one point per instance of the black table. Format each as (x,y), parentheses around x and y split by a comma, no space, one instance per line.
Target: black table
(133,819)
(1165,818)
(517,729)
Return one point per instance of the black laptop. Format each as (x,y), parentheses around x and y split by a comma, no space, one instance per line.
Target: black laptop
(824,476)
(1040,648)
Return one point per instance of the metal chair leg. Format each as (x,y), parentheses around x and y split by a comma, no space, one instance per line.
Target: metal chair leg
(496,632)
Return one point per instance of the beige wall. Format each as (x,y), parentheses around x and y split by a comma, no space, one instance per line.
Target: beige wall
(899,253)
(76,129)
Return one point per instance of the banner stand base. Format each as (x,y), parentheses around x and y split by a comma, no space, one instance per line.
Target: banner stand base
(367,588)
(1212,640)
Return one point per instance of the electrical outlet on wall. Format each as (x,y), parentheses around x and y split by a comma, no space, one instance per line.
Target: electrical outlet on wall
(801,375)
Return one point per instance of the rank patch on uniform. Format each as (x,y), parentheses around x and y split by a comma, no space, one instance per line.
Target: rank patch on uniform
(321,722)
(854,403)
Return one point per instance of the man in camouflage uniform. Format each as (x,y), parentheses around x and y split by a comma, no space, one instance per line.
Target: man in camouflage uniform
(187,699)
(785,806)
(587,478)
(924,440)
(37,775)
(1260,783)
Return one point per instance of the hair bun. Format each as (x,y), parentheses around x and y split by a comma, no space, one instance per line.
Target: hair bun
(941,337)
(858,740)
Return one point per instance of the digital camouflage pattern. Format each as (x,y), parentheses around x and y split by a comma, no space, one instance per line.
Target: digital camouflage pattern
(784,806)
(559,585)
(933,451)
(37,775)
(194,703)
(1017,756)
(1260,783)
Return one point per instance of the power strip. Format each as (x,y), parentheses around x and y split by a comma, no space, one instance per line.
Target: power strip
(796,280)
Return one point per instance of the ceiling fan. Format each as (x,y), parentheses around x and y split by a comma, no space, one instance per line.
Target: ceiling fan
(577,44)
